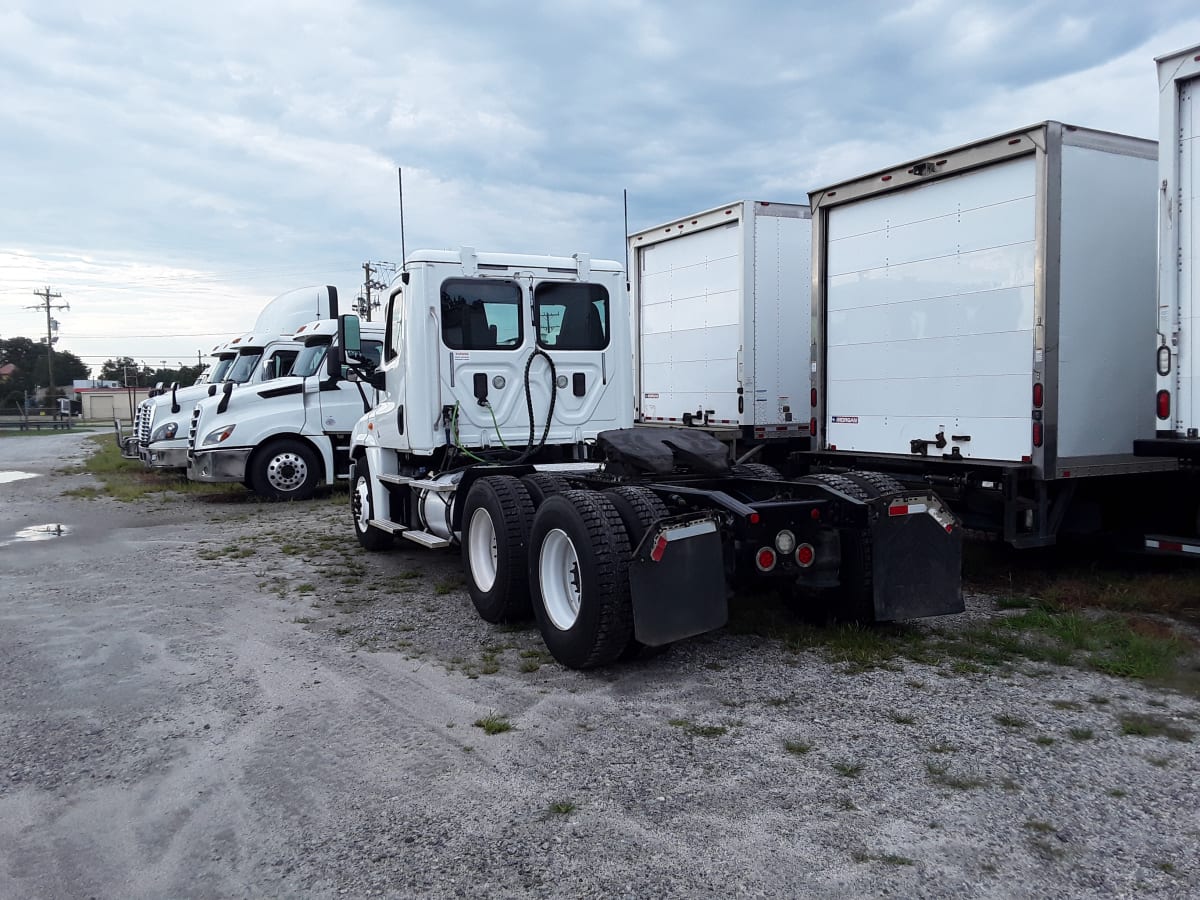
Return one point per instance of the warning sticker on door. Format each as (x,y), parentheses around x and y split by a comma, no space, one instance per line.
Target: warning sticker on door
(844,420)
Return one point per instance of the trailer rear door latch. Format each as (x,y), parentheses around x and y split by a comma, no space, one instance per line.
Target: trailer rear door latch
(920,446)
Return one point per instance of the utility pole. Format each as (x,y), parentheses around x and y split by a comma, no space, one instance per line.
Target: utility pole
(365,304)
(47,296)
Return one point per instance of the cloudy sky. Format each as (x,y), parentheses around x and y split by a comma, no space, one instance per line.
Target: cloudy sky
(168,168)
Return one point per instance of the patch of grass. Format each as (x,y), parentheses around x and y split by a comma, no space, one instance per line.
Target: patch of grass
(494,724)
(1117,793)
(529,665)
(902,718)
(342,630)
(696,730)
(939,774)
(305,588)
(849,769)
(1159,762)
(942,747)
(1067,704)
(1009,721)
(562,807)
(1144,725)
(1044,740)
(797,748)
(303,620)
(1039,826)
(1165,866)
(1081,734)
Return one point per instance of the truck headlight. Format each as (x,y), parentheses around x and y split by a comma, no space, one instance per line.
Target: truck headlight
(219,436)
(165,432)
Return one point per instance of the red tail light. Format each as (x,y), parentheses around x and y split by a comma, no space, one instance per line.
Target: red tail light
(1162,404)
(812,426)
(812,398)
(765,559)
(1038,395)
(805,555)
(1037,434)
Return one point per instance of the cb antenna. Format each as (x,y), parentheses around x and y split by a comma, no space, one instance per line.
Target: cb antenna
(625,238)
(403,251)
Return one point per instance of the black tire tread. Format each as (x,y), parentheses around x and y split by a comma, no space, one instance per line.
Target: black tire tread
(512,531)
(373,540)
(639,508)
(758,470)
(841,483)
(877,481)
(609,550)
(544,484)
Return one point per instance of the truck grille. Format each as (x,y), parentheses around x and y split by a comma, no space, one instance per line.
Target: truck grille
(143,421)
(192,430)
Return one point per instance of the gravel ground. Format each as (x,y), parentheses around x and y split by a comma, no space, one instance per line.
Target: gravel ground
(225,698)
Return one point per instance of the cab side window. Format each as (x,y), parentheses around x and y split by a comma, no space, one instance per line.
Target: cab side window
(395,320)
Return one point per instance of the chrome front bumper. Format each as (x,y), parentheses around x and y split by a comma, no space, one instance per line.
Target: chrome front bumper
(218,465)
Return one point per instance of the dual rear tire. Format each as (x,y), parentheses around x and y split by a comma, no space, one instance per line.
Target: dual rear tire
(564,559)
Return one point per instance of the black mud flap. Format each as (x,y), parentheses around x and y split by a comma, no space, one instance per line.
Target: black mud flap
(677,580)
(917,559)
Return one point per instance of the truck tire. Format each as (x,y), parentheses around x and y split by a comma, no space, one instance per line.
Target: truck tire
(544,484)
(496,520)
(758,470)
(362,510)
(285,470)
(876,482)
(579,579)
(639,508)
(845,485)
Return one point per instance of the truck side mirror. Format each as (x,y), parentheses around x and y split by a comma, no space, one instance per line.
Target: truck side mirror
(350,334)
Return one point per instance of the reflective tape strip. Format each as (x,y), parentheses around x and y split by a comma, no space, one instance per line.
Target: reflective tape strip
(1171,546)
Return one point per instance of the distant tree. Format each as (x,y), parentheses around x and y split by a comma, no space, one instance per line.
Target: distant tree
(29,357)
(126,370)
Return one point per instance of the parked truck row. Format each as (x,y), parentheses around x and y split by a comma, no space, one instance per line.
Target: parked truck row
(971,330)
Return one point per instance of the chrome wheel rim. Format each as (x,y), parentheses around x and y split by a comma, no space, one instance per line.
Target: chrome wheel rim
(560,579)
(482,550)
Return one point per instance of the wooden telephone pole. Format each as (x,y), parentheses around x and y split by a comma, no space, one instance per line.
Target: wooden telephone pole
(46,297)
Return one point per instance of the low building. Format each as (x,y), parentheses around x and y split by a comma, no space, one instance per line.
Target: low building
(108,403)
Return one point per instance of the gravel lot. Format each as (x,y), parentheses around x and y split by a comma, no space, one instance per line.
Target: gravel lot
(215,697)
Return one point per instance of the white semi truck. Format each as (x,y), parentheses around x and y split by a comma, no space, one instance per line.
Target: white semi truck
(976,319)
(284,436)
(720,304)
(505,430)
(160,424)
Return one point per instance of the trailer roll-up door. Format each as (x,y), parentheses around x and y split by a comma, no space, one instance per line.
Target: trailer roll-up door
(930,315)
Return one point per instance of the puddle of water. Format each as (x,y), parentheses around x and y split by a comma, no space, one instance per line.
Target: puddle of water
(38,533)
(6,477)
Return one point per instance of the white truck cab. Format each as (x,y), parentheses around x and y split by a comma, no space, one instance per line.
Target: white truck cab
(283,436)
(267,352)
(162,420)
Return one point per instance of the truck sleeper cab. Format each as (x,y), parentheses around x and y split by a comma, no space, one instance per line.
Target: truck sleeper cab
(163,425)
(283,437)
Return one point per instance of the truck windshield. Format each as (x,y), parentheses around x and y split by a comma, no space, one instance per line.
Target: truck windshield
(221,368)
(479,314)
(309,361)
(571,316)
(247,361)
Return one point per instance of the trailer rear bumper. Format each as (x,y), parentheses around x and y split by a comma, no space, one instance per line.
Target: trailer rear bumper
(916,555)
(1177,448)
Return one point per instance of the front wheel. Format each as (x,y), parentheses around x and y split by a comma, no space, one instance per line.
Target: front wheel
(579,579)
(362,510)
(285,470)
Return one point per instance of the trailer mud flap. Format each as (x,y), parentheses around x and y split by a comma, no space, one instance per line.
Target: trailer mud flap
(677,581)
(916,559)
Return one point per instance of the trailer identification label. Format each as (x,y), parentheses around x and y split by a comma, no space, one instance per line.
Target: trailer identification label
(844,420)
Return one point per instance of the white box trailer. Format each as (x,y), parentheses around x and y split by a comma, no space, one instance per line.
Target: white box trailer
(720,311)
(977,319)
(1177,350)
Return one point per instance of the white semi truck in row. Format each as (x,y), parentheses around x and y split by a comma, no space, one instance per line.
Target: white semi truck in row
(284,436)
(160,424)
(504,430)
